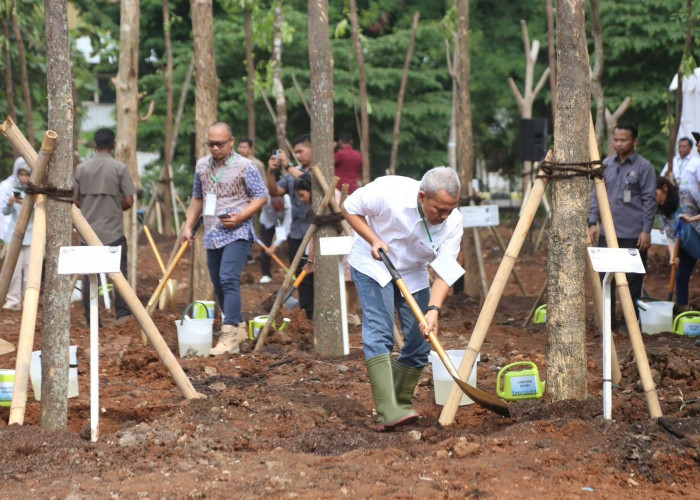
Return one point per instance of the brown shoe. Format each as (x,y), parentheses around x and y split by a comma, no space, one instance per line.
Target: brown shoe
(228,341)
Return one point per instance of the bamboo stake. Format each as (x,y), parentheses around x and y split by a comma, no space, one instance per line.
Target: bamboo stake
(29,309)
(293,265)
(38,163)
(528,318)
(171,189)
(492,298)
(623,290)
(515,271)
(139,312)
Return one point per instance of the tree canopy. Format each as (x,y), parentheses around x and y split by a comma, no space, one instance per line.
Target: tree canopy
(643,44)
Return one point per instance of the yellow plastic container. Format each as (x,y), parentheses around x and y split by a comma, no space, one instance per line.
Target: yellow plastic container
(540,314)
(256,325)
(520,384)
(687,323)
(7,384)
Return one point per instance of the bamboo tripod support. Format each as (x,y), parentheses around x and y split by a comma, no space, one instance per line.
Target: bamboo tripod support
(486,315)
(293,265)
(29,309)
(38,163)
(139,312)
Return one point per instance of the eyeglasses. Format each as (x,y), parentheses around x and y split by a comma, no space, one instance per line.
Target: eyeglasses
(218,144)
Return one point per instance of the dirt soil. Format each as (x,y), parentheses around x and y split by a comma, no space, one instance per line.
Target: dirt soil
(290,423)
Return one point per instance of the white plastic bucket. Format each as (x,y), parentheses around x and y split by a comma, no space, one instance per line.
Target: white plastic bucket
(35,373)
(194,336)
(443,381)
(7,384)
(656,317)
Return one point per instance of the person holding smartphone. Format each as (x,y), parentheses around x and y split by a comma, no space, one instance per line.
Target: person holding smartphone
(228,191)
(278,162)
(11,202)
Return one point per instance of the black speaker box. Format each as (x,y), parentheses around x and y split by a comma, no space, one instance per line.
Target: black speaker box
(532,140)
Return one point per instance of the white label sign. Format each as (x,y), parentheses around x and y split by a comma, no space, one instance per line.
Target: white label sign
(336,245)
(616,260)
(658,237)
(89,260)
(479,216)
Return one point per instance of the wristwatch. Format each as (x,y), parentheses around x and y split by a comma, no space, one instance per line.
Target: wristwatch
(434,308)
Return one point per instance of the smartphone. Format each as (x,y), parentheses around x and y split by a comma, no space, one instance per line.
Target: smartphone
(697,136)
(222,216)
(17,194)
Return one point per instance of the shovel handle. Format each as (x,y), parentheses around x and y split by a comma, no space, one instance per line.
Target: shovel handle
(676,250)
(272,254)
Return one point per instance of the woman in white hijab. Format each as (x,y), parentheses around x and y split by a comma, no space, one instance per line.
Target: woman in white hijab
(11,197)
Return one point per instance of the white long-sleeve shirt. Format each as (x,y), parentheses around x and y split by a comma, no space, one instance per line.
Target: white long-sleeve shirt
(269,217)
(390,206)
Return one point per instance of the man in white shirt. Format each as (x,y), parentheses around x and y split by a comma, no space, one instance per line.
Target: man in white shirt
(413,222)
(686,167)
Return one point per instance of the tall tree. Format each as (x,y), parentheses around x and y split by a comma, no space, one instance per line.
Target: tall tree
(166,184)
(277,85)
(465,140)
(364,105)
(566,315)
(26,93)
(326,311)
(126,141)
(206,98)
(9,83)
(250,67)
(55,327)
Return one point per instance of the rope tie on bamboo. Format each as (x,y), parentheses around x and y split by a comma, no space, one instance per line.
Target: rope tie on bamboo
(559,171)
(64,195)
(326,219)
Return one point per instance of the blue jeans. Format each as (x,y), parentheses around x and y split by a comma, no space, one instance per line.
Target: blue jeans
(378,305)
(685,270)
(225,268)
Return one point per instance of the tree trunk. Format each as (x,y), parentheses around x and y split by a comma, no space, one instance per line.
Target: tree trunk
(56,316)
(552,56)
(566,334)
(126,84)
(465,140)
(364,113)
(206,98)
(166,184)
(327,316)
(402,92)
(27,95)
(281,101)
(597,74)
(250,65)
(9,85)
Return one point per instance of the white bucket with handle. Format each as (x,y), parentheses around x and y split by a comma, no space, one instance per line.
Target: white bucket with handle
(656,317)
(194,336)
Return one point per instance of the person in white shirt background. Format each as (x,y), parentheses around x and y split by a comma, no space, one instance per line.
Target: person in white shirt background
(276,213)
(415,223)
(686,166)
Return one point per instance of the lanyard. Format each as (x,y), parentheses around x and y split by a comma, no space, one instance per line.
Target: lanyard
(425,224)
(216,179)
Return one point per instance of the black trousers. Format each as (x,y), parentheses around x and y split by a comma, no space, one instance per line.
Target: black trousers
(306,288)
(266,236)
(121,309)
(635,281)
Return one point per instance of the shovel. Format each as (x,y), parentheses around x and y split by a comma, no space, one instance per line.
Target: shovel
(674,267)
(480,397)
(289,301)
(271,254)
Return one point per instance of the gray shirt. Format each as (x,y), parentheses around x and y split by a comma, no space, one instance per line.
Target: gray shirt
(300,210)
(631,187)
(100,184)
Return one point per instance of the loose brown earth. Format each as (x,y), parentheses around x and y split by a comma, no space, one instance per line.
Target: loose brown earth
(290,423)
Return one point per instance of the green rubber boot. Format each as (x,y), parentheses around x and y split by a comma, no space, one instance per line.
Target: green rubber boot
(405,382)
(390,414)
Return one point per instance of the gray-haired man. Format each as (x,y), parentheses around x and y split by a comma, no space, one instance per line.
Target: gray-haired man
(415,223)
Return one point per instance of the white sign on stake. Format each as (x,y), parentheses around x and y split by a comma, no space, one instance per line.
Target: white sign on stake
(658,237)
(616,260)
(89,260)
(479,216)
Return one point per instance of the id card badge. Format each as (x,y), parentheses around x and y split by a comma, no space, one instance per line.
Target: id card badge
(280,233)
(447,268)
(627,196)
(210,204)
